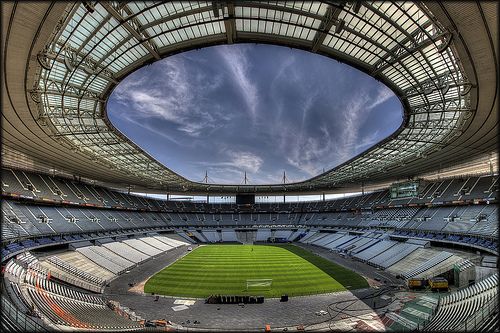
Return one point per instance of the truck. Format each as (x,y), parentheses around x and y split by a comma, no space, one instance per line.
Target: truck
(416,283)
(438,284)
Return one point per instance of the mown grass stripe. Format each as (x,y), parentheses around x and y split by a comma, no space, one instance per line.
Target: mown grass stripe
(224,269)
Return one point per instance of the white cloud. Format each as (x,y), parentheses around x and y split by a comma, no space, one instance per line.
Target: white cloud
(236,161)
(367,142)
(220,174)
(383,95)
(355,114)
(311,154)
(246,161)
(151,129)
(305,151)
(174,94)
(293,135)
(239,66)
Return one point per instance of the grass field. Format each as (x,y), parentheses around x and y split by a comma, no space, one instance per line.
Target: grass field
(224,269)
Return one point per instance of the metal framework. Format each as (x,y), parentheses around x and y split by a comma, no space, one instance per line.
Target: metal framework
(96,44)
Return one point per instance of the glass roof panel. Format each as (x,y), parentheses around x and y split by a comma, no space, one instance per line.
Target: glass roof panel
(112,48)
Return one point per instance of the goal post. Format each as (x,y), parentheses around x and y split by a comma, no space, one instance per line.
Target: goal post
(259,284)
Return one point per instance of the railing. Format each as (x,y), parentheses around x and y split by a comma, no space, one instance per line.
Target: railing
(66,277)
(23,322)
(475,321)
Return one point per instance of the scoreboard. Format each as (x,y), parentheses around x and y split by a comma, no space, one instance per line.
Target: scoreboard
(404,190)
(245,199)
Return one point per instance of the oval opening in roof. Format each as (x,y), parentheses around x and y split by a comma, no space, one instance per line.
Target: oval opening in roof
(259,109)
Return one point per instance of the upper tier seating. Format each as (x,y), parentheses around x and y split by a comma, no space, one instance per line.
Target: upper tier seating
(55,188)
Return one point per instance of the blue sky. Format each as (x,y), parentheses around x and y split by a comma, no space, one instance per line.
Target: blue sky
(262,109)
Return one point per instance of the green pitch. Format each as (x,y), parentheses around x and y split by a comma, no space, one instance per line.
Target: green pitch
(224,269)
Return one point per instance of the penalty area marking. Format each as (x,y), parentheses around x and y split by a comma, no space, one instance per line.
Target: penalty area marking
(138,288)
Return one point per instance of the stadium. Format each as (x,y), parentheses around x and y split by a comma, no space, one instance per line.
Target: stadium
(100,235)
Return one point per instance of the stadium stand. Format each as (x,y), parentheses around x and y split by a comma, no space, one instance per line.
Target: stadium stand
(393,255)
(312,237)
(57,304)
(157,243)
(282,234)
(455,311)
(141,246)
(73,309)
(262,235)
(126,251)
(412,260)
(106,258)
(212,236)
(229,235)
(439,260)
(485,188)
(172,240)
(374,250)
(296,234)
(67,173)
(66,272)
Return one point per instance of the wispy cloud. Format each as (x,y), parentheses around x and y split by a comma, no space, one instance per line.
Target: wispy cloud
(359,105)
(367,141)
(175,94)
(239,65)
(383,95)
(246,161)
(232,165)
(310,155)
(240,160)
(162,134)
(233,109)
(317,149)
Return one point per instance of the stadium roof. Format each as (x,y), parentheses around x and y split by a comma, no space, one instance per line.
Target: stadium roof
(62,60)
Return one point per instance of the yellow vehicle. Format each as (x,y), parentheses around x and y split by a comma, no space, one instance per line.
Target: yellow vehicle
(416,283)
(438,283)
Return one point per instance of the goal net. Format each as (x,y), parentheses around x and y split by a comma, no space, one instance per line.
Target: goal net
(259,284)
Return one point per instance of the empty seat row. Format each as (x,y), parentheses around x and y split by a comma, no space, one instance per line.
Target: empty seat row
(80,315)
(456,308)
(440,257)
(75,271)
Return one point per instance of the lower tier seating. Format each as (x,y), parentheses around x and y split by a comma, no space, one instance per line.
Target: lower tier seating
(455,309)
